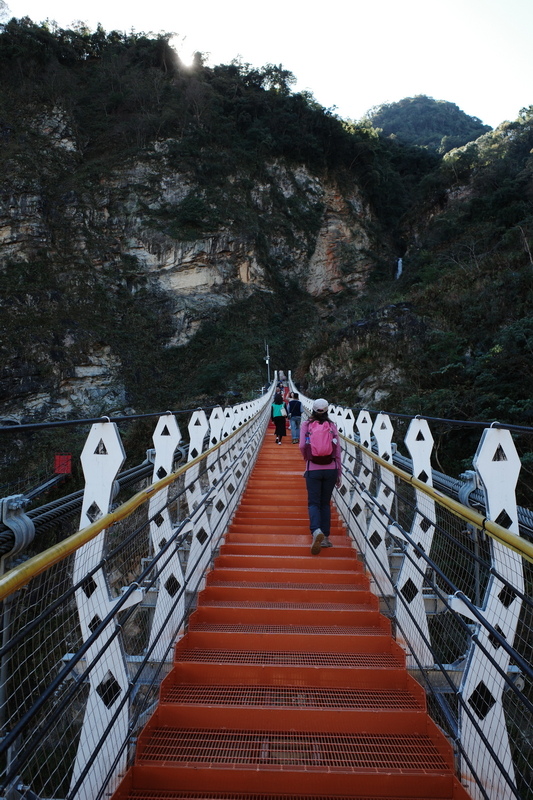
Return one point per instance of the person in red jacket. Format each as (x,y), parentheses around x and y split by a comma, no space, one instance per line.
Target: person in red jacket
(320,478)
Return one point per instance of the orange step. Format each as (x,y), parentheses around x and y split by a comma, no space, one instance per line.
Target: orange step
(288,684)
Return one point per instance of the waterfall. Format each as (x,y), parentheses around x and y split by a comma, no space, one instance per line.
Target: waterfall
(399,268)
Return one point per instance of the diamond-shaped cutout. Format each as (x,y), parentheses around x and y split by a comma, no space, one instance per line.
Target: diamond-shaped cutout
(425,524)
(219,505)
(418,554)
(94,623)
(495,642)
(357,509)
(158,519)
(201,535)
(100,449)
(89,585)
(109,689)
(481,700)
(387,491)
(366,444)
(409,590)
(499,454)
(386,457)
(504,519)
(172,585)
(423,476)
(238,473)
(366,472)
(507,595)
(375,540)
(161,473)
(214,440)
(162,543)
(231,488)
(94,512)
(343,490)
(193,452)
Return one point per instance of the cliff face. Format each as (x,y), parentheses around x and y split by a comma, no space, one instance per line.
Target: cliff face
(102,271)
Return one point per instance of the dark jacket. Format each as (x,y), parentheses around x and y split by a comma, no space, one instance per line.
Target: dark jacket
(295,408)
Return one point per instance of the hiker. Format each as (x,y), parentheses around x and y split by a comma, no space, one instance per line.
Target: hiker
(320,447)
(278,414)
(295,416)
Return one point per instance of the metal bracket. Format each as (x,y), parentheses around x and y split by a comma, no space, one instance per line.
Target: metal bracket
(17,790)
(15,518)
(471,484)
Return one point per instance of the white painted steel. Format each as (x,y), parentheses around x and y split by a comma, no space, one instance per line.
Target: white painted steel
(483,683)
(498,466)
(413,633)
(166,618)
(101,459)
(379,522)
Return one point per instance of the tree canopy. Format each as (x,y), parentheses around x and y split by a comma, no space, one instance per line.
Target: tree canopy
(421,120)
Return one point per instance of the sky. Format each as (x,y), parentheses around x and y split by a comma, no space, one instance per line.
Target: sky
(351,56)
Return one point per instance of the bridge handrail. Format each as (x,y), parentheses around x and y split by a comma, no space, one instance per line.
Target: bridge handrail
(455,580)
(22,574)
(90,625)
(497,532)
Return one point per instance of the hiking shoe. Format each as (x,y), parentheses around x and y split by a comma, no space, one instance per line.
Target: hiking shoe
(326,542)
(318,537)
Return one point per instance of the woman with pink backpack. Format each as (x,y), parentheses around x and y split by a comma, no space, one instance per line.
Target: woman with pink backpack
(320,447)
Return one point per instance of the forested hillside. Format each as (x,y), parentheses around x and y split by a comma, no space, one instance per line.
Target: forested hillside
(191,213)
(421,120)
(161,223)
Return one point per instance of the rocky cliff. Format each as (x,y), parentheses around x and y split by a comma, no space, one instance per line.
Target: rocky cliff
(106,273)
(160,224)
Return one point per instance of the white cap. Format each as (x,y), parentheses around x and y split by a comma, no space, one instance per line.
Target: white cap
(320,405)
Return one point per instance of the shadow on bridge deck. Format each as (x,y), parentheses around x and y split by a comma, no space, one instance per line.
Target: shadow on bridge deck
(288,683)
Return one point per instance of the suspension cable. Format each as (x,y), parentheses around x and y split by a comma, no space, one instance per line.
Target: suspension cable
(452,423)
(497,532)
(22,574)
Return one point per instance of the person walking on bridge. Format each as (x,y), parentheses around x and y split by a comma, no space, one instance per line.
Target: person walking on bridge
(278,415)
(320,447)
(295,416)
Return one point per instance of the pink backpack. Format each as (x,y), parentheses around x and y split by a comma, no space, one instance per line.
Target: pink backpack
(319,447)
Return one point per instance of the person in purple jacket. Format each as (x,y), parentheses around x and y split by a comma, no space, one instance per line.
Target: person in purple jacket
(320,478)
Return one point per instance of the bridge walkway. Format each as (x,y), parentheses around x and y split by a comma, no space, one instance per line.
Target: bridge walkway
(288,683)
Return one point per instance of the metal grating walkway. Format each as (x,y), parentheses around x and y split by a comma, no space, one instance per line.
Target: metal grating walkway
(288,684)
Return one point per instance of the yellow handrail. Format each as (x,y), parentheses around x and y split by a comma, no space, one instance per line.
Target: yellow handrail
(21,575)
(497,532)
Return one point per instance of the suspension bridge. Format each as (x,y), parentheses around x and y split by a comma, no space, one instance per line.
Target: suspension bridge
(185,643)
